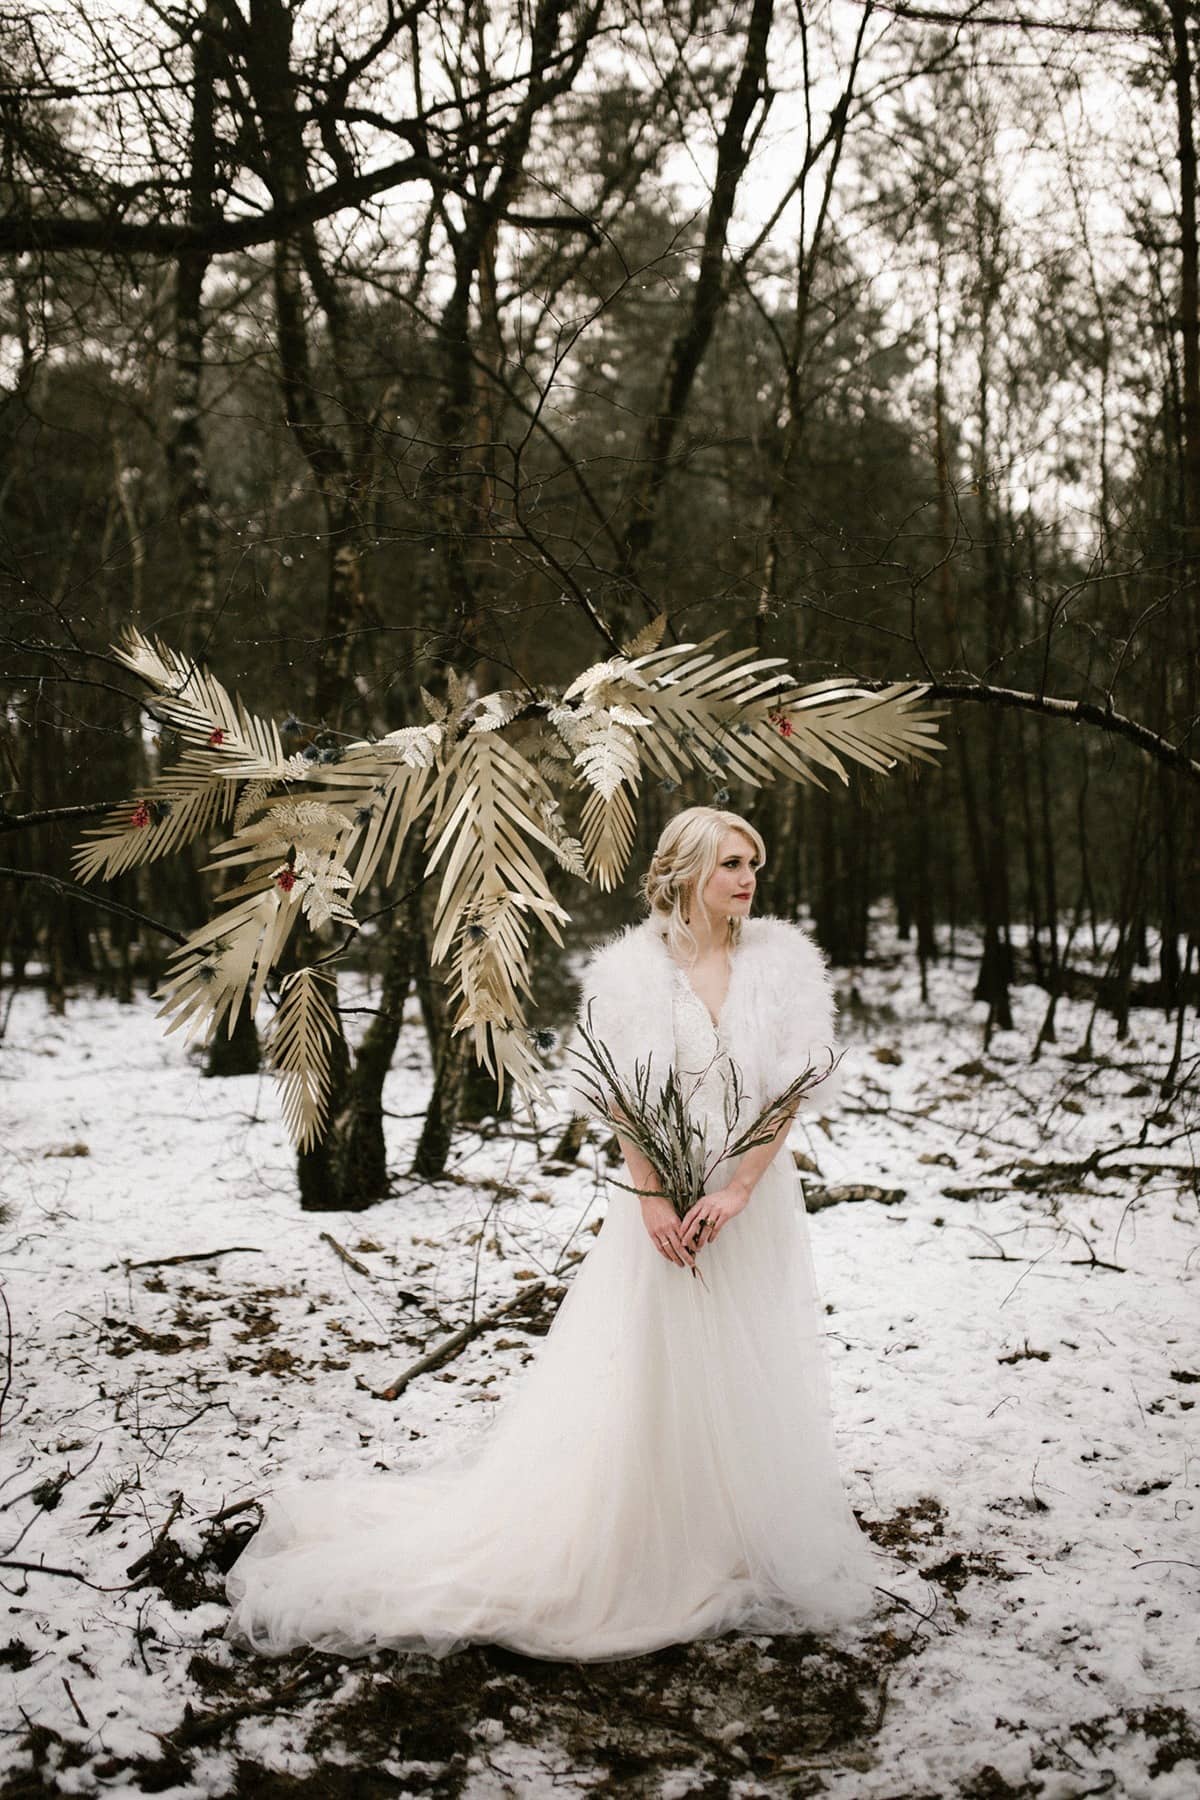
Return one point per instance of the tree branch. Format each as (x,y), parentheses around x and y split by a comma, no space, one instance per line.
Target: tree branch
(112,235)
(19,821)
(971,16)
(71,891)
(1079,712)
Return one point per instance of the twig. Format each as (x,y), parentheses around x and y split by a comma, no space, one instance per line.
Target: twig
(351,1262)
(8,1355)
(79,1713)
(29,1568)
(922,1618)
(230,1512)
(136,1568)
(458,1340)
(57,1484)
(170,1262)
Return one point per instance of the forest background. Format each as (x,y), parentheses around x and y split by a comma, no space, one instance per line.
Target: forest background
(346,346)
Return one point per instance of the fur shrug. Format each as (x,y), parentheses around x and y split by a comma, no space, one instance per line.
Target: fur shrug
(778,1016)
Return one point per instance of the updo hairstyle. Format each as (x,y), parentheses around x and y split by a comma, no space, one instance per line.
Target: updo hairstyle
(686,855)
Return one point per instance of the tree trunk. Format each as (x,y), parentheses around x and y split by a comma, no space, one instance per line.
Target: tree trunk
(690,343)
(362,1148)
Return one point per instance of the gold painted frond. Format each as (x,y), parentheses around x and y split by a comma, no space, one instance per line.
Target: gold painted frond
(314,826)
(743,717)
(496,710)
(156,663)
(647,639)
(324,886)
(299,1049)
(879,728)
(696,702)
(490,973)
(202,711)
(253,797)
(484,830)
(596,684)
(398,773)
(568,850)
(609,755)
(485,836)
(608,826)
(182,803)
(208,977)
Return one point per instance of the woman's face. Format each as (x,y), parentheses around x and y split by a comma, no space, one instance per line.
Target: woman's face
(729,891)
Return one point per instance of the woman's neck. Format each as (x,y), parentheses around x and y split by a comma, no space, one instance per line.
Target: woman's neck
(712,936)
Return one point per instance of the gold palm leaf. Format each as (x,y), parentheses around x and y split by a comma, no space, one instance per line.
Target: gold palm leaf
(743,716)
(387,811)
(299,1046)
(483,826)
(208,977)
(608,828)
(202,711)
(490,975)
(696,701)
(186,800)
(490,967)
(485,830)
(831,723)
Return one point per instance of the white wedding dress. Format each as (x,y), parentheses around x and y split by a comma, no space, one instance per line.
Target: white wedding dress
(664,1471)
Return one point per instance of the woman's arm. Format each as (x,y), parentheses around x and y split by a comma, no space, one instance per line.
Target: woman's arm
(642,1173)
(658,1215)
(755,1163)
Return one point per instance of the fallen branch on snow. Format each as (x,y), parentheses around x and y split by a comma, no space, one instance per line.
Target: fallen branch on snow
(171,1262)
(351,1262)
(458,1340)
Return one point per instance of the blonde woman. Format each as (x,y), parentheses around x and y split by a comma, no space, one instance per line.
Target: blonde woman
(665,1469)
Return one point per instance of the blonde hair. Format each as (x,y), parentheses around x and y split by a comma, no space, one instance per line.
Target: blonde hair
(687,852)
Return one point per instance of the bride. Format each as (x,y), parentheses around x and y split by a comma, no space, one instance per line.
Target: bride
(665,1469)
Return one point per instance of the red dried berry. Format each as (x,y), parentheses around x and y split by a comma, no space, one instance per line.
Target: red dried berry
(141,816)
(216,739)
(286,879)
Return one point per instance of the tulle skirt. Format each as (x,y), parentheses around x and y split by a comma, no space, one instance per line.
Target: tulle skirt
(664,1471)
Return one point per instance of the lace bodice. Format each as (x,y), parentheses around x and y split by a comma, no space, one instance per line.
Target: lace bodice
(701,1059)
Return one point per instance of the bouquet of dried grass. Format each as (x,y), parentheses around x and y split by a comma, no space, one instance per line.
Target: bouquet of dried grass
(673,1142)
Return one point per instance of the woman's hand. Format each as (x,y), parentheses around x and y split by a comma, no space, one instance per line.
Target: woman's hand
(663,1223)
(709,1216)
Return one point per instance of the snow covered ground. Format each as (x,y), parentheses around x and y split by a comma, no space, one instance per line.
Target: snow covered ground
(1015,1357)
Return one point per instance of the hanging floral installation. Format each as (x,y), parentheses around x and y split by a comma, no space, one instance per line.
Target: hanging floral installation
(491,779)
